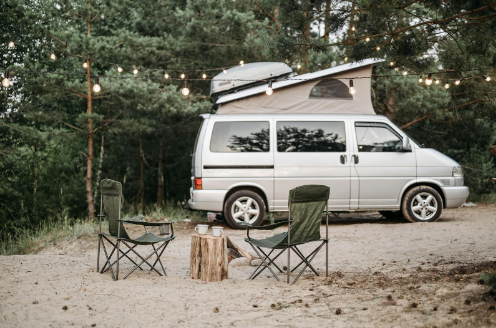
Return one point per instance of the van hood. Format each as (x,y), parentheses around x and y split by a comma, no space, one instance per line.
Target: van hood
(432,157)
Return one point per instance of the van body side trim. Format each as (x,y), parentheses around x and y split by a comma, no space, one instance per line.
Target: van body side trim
(207,167)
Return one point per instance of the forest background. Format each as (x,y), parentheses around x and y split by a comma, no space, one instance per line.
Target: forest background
(58,137)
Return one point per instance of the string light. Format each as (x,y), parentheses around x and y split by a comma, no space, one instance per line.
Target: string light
(428,81)
(420,78)
(136,70)
(378,48)
(185,90)
(391,63)
(224,71)
(298,66)
(367,39)
(353,28)
(269,90)
(396,69)
(487,78)
(345,59)
(166,76)
(437,81)
(457,82)
(183,76)
(352,88)
(242,63)
(5,80)
(85,64)
(52,56)
(405,73)
(204,76)
(11,44)
(97,87)
(446,86)
(119,69)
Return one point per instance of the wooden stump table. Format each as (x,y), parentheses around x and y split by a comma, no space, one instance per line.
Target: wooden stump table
(208,257)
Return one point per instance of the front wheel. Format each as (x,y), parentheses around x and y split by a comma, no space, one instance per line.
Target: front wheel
(244,206)
(422,204)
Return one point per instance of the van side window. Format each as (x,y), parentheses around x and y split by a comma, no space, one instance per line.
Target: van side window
(306,136)
(240,137)
(377,139)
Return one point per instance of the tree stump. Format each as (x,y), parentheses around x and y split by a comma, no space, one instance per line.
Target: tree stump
(208,258)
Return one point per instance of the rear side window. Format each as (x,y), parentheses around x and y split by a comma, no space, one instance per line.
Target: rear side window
(311,137)
(240,137)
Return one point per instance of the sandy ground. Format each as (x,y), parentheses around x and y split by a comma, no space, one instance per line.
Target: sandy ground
(383,273)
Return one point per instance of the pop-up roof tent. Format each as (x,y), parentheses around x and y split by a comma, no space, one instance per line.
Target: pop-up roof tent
(317,92)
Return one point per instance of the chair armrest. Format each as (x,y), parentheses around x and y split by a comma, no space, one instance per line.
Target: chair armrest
(265,227)
(144,223)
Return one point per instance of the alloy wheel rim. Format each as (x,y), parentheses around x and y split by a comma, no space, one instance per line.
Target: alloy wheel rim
(245,209)
(424,206)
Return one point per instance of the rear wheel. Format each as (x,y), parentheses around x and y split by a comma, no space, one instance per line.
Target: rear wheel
(244,206)
(422,204)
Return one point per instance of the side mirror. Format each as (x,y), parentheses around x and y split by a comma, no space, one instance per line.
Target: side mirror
(406,144)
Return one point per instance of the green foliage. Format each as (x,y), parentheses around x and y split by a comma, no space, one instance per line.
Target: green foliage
(490,280)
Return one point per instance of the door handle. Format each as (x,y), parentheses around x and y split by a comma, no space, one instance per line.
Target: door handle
(355,159)
(343,159)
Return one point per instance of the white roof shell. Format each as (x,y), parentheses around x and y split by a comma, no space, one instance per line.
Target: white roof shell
(292,95)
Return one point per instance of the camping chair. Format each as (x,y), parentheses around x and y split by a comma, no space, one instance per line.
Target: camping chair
(110,201)
(306,205)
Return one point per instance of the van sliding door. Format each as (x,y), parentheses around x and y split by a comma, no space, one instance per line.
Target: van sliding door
(312,152)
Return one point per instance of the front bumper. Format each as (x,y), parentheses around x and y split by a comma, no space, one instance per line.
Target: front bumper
(455,196)
(207,200)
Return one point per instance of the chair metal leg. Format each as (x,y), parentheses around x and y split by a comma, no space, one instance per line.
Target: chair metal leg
(124,254)
(158,257)
(308,263)
(118,251)
(98,255)
(305,259)
(264,259)
(272,260)
(144,260)
(108,259)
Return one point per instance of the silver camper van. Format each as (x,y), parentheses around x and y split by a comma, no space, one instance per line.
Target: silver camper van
(245,164)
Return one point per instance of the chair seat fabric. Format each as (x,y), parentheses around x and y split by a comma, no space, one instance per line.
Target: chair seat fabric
(146,239)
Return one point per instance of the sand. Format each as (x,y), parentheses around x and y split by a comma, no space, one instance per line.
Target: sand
(383,273)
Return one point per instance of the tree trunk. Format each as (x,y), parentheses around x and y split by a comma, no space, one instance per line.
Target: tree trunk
(35,178)
(89,157)
(142,176)
(100,164)
(327,20)
(208,258)
(160,191)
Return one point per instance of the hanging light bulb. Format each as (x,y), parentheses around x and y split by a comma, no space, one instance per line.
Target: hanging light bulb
(405,73)
(345,59)
(367,39)
(85,64)
(457,82)
(166,76)
(353,28)
(136,70)
(391,63)
(11,44)
(204,76)
(269,90)
(242,63)
(378,48)
(224,71)
(352,88)
(5,80)
(487,78)
(446,86)
(185,90)
(97,87)
(420,78)
(396,69)
(52,56)
(183,76)
(428,80)
(298,66)
(119,69)
(437,81)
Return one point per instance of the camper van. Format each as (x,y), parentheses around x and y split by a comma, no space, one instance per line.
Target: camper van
(256,148)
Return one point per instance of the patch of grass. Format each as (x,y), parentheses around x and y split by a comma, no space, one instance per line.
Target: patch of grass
(46,233)
(171,211)
(489,280)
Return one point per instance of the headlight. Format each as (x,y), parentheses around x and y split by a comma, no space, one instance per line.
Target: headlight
(457,172)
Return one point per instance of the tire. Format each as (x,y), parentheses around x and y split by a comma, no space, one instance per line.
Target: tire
(235,209)
(390,215)
(422,204)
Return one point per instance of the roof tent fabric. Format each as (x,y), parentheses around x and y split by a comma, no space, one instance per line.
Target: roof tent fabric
(325,93)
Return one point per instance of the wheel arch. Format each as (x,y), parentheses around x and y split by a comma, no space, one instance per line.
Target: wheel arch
(253,187)
(430,183)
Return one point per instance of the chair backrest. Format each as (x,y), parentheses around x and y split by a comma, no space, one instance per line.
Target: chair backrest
(306,204)
(112,198)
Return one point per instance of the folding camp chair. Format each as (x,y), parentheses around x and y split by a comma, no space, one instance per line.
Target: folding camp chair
(110,202)
(306,205)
